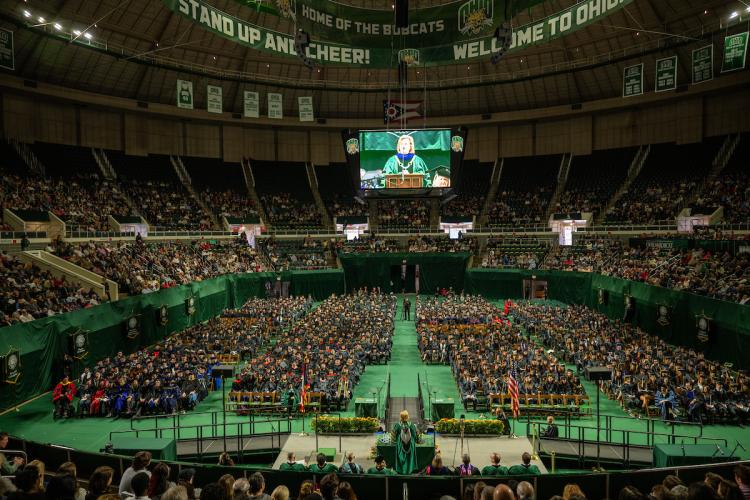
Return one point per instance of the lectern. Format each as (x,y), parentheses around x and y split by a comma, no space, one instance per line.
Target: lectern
(405,181)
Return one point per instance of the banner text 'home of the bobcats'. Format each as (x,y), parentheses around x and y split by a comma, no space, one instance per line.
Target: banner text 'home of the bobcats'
(439,47)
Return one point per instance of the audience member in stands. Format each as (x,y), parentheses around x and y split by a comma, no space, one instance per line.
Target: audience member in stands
(140,463)
(257,487)
(280,493)
(8,466)
(100,481)
(227,484)
(742,478)
(287,211)
(29,483)
(346,492)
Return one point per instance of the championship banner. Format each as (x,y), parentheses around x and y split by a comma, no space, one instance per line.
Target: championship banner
(394,110)
(184,94)
(214,99)
(306,109)
(11,365)
(632,81)
(703,64)
(133,327)
(190,306)
(7,51)
(703,327)
(251,102)
(735,52)
(275,106)
(663,315)
(163,315)
(79,344)
(330,20)
(467,35)
(666,74)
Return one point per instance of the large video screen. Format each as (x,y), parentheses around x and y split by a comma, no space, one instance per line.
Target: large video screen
(405,159)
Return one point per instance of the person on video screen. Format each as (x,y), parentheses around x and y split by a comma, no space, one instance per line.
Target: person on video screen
(441,178)
(405,161)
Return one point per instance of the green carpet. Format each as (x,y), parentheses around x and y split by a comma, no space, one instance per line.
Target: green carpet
(34,421)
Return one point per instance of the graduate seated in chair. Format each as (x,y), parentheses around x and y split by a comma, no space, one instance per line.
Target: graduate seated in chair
(666,402)
(62,397)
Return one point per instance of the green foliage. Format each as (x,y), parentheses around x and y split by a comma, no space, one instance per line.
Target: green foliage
(482,426)
(352,425)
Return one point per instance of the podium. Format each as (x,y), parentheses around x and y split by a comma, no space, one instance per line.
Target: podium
(407,181)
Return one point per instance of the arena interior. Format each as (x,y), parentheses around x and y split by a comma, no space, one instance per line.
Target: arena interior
(374,249)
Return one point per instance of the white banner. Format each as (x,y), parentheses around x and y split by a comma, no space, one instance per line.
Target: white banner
(252,104)
(213,99)
(275,107)
(184,94)
(306,109)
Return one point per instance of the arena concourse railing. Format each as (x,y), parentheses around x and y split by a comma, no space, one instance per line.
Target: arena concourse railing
(598,485)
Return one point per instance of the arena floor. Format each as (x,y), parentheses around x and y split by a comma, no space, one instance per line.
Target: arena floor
(33,420)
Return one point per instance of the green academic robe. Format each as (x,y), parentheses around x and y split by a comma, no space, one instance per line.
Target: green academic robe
(295,467)
(520,470)
(326,469)
(406,455)
(491,470)
(383,472)
(416,166)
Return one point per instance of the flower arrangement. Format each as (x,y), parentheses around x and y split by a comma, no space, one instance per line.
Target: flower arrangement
(481,426)
(345,425)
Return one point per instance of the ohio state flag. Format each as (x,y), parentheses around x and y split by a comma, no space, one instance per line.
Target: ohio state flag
(400,110)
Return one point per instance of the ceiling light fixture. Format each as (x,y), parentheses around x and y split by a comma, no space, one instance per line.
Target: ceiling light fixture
(88,36)
(40,19)
(58,27)
(77,32)
(26,13)
(734,14)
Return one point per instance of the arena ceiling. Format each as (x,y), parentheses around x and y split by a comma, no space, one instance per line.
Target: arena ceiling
(143,48)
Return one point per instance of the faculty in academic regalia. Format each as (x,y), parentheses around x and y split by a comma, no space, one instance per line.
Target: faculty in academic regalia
(62,397)
(405,436)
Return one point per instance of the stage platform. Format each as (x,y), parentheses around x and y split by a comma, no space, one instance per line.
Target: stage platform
(479,448)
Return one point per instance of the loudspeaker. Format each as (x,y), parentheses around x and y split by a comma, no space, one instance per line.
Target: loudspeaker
(223,371)
(595,373)
(402,13)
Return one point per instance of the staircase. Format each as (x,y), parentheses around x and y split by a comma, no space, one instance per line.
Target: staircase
(247,173)
(372,212)
(104,165)
(635,168)
(187,182)
(398,404)
(434,214)
(312,179)
(720,161)
(562,180)
(497,173)
(27,155)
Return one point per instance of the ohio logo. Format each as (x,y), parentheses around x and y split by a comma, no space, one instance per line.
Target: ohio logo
(287,8)
(409,56)
(352,147)
(457,143)
(475,16)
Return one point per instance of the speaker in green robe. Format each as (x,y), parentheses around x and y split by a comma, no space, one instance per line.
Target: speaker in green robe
(405,437)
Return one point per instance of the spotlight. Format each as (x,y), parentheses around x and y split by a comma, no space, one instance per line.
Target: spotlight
(734,14)
(40,19)
(26,13)
(88,36)
(77,32)
(58,27)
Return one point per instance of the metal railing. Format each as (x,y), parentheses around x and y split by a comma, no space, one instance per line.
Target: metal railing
(241,432)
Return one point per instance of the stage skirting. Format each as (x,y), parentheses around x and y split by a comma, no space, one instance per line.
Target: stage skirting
(676,455)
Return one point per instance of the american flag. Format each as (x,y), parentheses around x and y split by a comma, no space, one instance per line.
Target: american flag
(513,388)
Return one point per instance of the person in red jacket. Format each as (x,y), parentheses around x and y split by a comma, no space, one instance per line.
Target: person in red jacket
(62,397)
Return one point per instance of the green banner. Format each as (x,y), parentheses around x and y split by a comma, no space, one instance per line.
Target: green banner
(703,64)
(447,48)
(666,74)
(632,80)
(430,26)
(735,52)
(7,52)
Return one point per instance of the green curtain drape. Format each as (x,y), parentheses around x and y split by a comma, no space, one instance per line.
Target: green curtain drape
(443,270)
(42,343)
